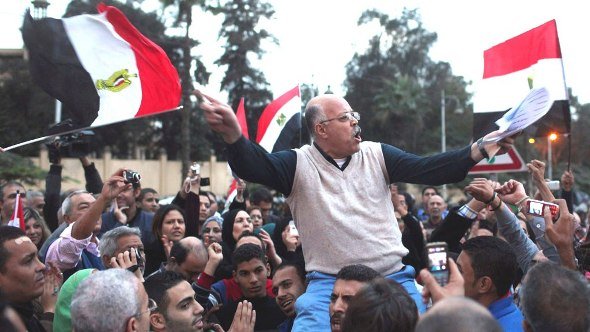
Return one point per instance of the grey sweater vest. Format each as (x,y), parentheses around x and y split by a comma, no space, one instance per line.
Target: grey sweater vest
(345,217)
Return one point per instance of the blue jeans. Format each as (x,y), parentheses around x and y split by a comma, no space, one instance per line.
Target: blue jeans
(312,307)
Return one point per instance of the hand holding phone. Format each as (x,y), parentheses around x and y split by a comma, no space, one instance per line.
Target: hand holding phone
(437,253)
(536,208)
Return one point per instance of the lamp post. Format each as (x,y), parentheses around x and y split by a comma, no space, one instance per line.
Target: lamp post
(550,138)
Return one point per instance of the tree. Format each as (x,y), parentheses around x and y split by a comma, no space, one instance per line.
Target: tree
(15,167)
(398,87)
(243,44)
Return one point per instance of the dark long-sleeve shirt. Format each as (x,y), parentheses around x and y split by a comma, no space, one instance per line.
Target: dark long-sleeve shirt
(277,170)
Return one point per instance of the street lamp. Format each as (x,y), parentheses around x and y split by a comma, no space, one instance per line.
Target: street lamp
(550,138)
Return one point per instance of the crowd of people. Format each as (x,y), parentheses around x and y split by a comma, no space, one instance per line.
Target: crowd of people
(347,254)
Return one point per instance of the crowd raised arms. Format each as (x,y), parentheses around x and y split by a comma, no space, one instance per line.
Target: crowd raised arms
(321,238)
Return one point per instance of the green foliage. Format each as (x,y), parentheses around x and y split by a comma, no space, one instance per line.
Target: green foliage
(397,87)
(243,42)
(26,109)
(15,167)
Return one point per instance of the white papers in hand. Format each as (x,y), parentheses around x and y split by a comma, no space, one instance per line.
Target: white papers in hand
(536,104)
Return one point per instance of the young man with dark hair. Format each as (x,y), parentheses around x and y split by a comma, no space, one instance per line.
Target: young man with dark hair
(422,209)
(132,214)
(262,197)
(349,280)
(149,200)
(288,283)
(554,298)
(382,305)
(22,276)
(251,273)
(177,308)
(488,265)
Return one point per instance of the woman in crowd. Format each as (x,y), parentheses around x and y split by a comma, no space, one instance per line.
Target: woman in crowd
(168,227)
(256,215)
(211,230)
(235,223)
(286,240)
(35,227)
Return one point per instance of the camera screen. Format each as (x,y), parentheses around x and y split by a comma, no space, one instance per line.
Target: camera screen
(437,259)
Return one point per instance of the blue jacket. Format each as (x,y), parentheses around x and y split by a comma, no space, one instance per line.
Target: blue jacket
(142,220)
(507,314)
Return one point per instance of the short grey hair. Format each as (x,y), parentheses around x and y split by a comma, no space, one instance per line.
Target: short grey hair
(108,242)
(66,206)
(105,301)
(34,193)
(313,116)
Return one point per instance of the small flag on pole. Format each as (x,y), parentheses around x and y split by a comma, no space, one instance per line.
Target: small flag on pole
(18,217)
(511,69)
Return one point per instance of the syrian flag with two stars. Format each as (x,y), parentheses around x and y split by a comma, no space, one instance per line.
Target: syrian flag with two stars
(18,217)
(100,67)
(514,67)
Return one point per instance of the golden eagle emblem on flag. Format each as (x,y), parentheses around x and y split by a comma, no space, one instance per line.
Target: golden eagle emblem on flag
(116,82)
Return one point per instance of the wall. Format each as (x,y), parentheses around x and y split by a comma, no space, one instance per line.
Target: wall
(163,175)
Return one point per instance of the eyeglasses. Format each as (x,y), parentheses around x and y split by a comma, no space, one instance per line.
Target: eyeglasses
(348,116)
(151,307)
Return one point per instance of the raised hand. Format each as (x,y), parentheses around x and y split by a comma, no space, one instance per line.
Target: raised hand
(220,117)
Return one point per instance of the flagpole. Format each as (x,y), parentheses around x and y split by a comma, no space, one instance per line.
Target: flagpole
(79,129)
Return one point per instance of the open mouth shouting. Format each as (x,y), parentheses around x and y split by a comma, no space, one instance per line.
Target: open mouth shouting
(356,133)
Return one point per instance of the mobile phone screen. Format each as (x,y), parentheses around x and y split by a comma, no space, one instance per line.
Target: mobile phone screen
(438,264)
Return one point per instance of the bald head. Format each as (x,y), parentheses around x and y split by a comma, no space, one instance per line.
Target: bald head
(458,314)
(316,108)
(193,244)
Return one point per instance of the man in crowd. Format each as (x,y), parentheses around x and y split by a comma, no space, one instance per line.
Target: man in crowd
(132,215)
(457,313)
(349,280)
(177,308)
(422,211)
(204,208)
(36,200)
(327,192)
(112,300)
(382,305)
(288,283)
(262,198)
(489,267)
(9,192)
(77,246)
(554,298)
(148,200)
(436,207)
(22,276)
(251,273)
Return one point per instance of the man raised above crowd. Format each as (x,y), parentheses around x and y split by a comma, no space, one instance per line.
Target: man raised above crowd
(335,185)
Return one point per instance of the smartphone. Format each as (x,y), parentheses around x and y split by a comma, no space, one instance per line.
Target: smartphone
(140,261)
(536,208)
(437,253)
(292,229)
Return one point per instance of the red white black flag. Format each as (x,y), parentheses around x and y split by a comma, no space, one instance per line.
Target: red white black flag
(511,70)
(18,217)
(280,121)
(100,67)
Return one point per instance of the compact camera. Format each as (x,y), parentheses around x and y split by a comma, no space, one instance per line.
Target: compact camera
(131,177)
(195,171)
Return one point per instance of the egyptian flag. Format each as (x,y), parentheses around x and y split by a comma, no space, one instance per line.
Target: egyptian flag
(280,122)
(18,217)
(511,70)
(100,67)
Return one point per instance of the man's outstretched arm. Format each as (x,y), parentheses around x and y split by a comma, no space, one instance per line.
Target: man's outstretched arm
(249,160)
